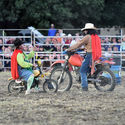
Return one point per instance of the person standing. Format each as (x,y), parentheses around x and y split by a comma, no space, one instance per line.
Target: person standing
(92,44)
(20,65)
(52,31)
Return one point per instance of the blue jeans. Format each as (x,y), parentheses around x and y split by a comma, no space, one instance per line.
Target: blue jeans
(24,73)
(85,68)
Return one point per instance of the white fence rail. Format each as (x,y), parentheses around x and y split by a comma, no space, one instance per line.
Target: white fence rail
(50,48)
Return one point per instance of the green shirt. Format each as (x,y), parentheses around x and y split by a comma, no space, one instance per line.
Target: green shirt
(22,59)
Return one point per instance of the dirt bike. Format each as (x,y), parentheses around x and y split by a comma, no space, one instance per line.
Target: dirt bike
(49,85)
(103,78)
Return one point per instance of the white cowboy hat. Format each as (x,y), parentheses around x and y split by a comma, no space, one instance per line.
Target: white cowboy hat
(88,26)
(69,35)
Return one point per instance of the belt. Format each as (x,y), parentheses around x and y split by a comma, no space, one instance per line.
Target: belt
(89,53)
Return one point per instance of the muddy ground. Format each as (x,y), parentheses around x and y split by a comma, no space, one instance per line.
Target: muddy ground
(69,108)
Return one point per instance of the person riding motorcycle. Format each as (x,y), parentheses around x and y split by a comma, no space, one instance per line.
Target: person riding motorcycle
(20,65)
(92,44)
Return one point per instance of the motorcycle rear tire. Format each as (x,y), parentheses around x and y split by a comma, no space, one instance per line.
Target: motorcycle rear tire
(13,87)
(112,84)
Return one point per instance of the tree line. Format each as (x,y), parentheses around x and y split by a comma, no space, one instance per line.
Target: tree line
(63,13)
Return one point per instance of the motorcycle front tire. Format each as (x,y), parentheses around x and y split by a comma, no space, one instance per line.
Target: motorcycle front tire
(66,82)
(50,86)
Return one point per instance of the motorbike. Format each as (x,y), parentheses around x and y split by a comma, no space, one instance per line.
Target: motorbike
(49,85)
(63,71)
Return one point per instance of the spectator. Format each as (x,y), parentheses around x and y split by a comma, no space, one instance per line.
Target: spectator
(119,40)
(114,41)
(119,44)
(116,55)
(8,53)
(74,40)
(59,39)
(59,52)
(65,47)
(107,42)
(69,39)
(1,64)
(115,49)
(46,63)
(108,53)
(41,56)
(102,44)
(1,41)
(58,48)
(63,38)
(54,46)
(37,48)
(52,57)
(60,31)
(49,40)
(52,31)
(77,36)
(123,49)
(1,45)
(10,41)
(47,47)
(123,44)
(41,49)
(2,50)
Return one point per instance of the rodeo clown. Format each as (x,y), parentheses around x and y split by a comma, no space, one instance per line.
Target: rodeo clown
(20,65)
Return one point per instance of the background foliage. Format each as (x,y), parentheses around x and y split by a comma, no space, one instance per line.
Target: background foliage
(63,13)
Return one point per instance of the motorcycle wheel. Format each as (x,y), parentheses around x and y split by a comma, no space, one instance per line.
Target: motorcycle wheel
(14,88)
(66,80)
(106,80)
(50,86)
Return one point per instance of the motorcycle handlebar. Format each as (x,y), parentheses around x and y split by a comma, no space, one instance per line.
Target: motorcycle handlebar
(72,52)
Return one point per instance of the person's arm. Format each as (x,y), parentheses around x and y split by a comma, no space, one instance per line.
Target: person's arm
(21,62)
(31,55)
(81,42)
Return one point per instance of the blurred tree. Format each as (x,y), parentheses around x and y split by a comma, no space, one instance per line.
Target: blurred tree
(113,13)
(63,13)
(87,11)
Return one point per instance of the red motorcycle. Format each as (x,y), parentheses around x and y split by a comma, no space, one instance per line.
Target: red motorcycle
(63,70)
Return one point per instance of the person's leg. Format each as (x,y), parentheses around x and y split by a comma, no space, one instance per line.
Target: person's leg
(83,71)
(36,87)
(28,76)
(29,83)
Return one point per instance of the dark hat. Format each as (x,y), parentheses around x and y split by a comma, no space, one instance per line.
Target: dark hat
(17,42)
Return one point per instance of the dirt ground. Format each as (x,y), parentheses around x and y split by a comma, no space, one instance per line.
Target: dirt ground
(69,108)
